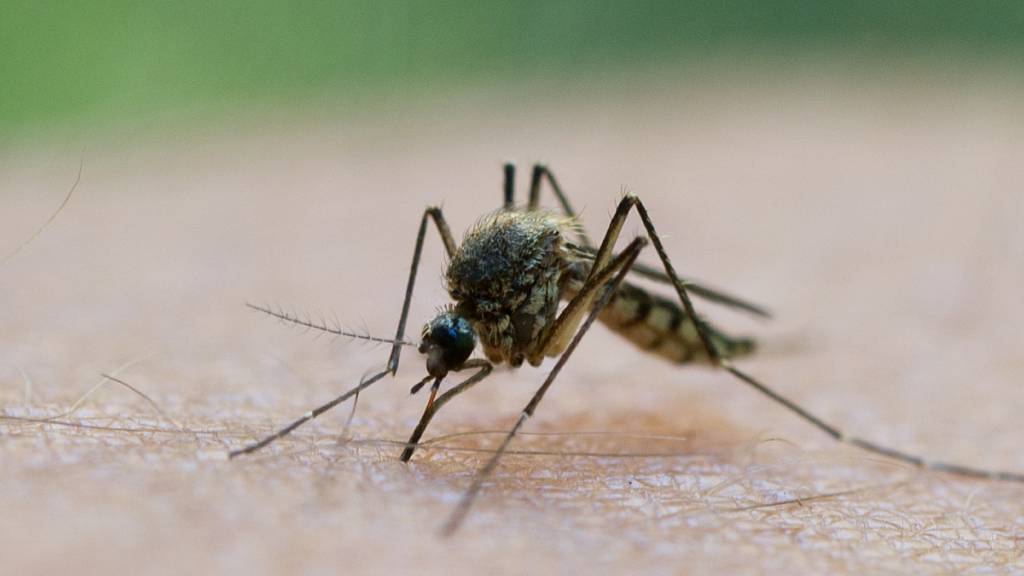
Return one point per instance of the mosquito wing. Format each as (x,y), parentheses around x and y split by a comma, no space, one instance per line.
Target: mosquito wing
(694,287)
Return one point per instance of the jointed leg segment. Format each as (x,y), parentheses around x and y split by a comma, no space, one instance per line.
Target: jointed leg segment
(483,368)
(432,213)
(608,245)
(867,445)
(541,172)
(606,274)
(309,416)
(597,287)
(435,214)
(603,264)
(718,360)
(598,283)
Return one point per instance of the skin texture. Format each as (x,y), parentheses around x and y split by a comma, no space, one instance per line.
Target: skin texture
(880,224)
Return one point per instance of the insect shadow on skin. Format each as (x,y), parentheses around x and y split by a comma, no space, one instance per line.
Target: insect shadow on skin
(507,279)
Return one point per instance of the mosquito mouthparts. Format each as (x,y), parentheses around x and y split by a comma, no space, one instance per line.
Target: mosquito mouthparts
(416,387)
(322,326)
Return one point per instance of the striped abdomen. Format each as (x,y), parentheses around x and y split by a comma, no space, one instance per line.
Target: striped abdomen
(660,325)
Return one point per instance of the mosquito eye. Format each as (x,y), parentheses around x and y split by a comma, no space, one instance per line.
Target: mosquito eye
(454,335)
(464,339)
(442,334)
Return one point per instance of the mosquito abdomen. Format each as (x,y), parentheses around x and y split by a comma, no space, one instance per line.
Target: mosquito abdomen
(661,326)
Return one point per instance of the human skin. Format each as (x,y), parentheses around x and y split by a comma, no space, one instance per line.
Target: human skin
(880,225)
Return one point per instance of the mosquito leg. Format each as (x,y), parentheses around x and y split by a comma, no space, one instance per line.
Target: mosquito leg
(817,422)
(431,213)
(309,416)
(557,338)
(434,213)
(621,264)
(509,186)
(484,369)
(840,436)
(542,172)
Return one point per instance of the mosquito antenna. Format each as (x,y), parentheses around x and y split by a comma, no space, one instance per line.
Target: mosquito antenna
(67,198)
(322,326)
(840,436)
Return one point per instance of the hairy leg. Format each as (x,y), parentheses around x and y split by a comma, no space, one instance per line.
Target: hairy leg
(432,213)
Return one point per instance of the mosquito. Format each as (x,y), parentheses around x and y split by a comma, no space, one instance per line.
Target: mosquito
(508,280)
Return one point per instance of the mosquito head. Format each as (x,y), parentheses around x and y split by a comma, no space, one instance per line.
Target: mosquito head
(447,340)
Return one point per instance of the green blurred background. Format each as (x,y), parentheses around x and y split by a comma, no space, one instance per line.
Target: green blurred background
(72,66)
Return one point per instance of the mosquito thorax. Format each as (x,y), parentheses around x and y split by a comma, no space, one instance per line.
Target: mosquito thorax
(505,278)
(447,341)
